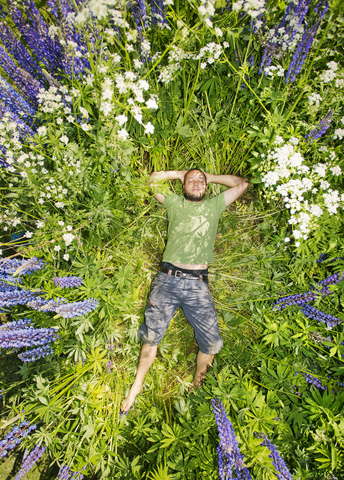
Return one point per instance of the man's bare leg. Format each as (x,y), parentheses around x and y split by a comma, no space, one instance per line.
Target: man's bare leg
(202,364)
(147,356)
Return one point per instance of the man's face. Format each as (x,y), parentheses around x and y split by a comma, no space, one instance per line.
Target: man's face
(194,187)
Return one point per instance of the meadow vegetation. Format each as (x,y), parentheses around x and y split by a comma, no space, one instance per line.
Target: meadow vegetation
(95,95)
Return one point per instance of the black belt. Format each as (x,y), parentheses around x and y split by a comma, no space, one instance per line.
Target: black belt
(174,272)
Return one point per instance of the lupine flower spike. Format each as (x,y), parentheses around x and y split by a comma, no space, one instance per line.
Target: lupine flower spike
(283,472)
(29,460)
(66,474)
(314,292)
(230,460)
(330,320)
(22,333)
(67,282)
(12,439)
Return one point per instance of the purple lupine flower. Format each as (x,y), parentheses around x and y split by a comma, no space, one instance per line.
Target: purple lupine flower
(1,394)
(79,62)
(284,33)
(67,282)
(12,439)
(76,309)
(301,53)
(20,53)
(9,297)
(10,278)
(321,7)
(18,324)
(63,473)
(26,83)
(313,380)
(36,353)
(66,474)
(22,129)
(320,129)
(36,33)
(139,9)
(29,460)
(46,304)
(24,266)
(12,102)
(301,299)
(322,317)
(322,257)
(158,13)
(19,334)
(229,457)
(25,336)
(283,472)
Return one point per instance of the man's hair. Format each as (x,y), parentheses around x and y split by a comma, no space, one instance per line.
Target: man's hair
(197,170)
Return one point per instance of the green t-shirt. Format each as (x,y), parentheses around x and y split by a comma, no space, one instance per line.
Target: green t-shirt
(192,229)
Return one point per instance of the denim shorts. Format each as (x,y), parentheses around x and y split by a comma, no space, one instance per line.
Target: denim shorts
(167,294)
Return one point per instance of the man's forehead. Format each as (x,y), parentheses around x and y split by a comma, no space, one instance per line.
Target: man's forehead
(194,174)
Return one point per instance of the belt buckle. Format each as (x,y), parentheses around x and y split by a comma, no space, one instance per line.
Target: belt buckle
(178,272)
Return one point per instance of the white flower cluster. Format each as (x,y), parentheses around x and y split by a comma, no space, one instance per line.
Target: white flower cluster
(330,74)
(175,58)
(9,137)
(126,83)
(314,99)
(55,99)
(53,193)
(278,70)
(9,218)
(304,191)
(286,37)
(107,93)
(212,51)
(207,10)
(338,133)
(101,9)
(252,7)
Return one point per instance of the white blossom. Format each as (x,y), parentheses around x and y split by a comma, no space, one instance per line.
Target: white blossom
(152,103)
(314,99)
(68,238)
(41,131)
(121,119)
(149,128)
(122,134)
(339,133)
(336,170)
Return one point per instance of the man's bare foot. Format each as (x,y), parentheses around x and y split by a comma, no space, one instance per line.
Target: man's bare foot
(129,400)
(193,387)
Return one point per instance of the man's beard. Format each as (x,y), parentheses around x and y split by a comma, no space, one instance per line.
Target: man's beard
(194,198)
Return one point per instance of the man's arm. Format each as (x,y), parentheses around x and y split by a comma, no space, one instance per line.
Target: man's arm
(156,177)
(237,185)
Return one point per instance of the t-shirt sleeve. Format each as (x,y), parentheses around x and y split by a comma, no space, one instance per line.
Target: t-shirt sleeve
(170,199)
(219,203)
